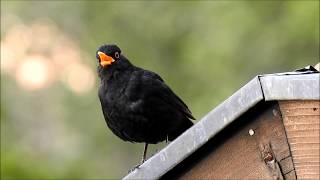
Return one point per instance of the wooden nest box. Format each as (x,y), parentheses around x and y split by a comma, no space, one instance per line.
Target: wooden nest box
(268,129)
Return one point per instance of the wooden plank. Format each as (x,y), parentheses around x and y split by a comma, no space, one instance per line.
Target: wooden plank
(303,127)
(235,154)
(294,120)
(302,140)
(299,104)
(302,124)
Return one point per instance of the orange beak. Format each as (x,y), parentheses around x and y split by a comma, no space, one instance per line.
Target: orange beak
(105,60)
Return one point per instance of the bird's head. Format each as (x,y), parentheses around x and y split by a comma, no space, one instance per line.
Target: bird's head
(108,54)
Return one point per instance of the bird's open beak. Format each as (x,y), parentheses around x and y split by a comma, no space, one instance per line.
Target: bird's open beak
(105,60)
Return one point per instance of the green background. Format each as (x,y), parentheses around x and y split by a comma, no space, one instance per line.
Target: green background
(204,50)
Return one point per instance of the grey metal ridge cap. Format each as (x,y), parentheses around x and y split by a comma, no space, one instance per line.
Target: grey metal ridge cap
(290,73)
(291,87)
(225,113)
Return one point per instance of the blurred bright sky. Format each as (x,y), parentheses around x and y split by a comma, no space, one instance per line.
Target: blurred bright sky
(51,121)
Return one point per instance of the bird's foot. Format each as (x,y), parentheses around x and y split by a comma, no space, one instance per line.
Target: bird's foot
(137,166)
(134,168)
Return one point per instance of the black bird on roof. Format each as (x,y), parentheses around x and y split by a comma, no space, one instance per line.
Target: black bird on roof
(137,104)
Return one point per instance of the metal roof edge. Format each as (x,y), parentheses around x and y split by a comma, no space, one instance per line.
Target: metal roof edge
(291,87)
(217,119)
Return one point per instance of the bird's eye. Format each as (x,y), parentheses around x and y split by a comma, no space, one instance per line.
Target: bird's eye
(116,54)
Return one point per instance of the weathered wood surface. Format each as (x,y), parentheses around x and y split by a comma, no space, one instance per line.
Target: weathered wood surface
(239,155)
(302,123)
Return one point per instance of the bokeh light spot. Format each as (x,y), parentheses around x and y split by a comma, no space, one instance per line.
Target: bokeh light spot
(34,72)
(7,58)
(80,78)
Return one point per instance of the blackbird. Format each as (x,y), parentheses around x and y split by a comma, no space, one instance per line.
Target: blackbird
(136,103)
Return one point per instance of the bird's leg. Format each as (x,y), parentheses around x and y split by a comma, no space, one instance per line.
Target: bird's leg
(144,153)
(143,158)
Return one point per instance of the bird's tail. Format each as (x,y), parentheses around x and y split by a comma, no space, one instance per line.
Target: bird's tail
(182,128)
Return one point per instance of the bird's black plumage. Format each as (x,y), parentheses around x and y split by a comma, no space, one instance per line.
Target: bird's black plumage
(137,104)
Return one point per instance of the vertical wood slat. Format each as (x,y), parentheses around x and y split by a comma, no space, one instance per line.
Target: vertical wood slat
(302,124)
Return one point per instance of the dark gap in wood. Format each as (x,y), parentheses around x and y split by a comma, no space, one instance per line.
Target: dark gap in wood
(289,172)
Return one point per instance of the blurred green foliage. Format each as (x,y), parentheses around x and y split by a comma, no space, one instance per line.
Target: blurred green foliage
(204,50)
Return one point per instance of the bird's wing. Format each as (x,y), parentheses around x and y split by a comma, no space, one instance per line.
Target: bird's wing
(157,87)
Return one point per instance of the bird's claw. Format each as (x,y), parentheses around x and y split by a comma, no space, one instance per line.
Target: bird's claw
(136,166)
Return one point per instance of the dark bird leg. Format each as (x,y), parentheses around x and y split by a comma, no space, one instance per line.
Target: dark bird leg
(143,158)
(144,153)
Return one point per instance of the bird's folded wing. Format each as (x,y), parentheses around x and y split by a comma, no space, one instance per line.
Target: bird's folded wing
(157,86)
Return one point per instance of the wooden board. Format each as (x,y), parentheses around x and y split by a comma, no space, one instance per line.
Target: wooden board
(302,124)
(235,154)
